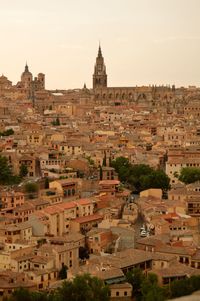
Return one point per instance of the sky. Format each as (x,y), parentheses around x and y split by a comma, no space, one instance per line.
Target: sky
(143,42)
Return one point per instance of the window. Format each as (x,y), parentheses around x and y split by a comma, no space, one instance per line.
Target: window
(125,293)
(117,293)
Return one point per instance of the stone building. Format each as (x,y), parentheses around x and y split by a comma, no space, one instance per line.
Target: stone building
(124,95)
(30,85)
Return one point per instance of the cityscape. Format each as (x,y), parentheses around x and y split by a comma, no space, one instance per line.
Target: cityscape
(99,188)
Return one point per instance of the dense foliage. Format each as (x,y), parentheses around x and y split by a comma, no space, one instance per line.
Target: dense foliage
(63,272)
(82,288)
(23,171)
(56,122)
(189,175)
(185,286)
(31,189)
(83,253)
(8,132)
(46,183)
(148,289)
(140,176)
(6,174)
(88,288)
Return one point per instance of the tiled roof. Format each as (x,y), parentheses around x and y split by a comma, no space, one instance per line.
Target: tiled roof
(88,218)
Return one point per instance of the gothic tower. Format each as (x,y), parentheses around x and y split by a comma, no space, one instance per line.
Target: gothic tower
(99,76)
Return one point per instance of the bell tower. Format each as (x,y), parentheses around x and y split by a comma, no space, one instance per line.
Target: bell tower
(99,76)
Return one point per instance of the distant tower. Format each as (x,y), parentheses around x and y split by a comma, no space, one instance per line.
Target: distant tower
(41,79)
(26,78)
(99,76)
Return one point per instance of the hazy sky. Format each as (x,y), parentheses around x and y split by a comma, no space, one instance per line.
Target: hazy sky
(143,41)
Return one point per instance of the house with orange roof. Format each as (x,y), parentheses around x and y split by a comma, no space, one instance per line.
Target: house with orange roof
(85,223)
(110,187)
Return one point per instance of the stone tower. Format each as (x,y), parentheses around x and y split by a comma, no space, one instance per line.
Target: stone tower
(26,78)
(41,80)
(99,76)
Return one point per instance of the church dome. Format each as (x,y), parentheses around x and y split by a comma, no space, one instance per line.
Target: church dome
(26,71)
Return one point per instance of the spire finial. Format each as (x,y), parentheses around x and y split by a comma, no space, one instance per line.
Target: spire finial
(26,67)
(99,52)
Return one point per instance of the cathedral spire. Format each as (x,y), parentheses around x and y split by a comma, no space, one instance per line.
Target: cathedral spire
(99,52)
(99,76)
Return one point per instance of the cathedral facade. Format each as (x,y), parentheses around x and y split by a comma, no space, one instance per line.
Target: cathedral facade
(122,95)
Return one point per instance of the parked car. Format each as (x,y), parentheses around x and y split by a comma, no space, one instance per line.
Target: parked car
(143,228)
(143,233)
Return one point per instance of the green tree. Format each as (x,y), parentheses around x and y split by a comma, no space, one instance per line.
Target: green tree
(122,166)
(46,183)
(6,176)
(63,272)
(135,278)
(56,122)
(181,287)
(83,253)
(8,132)
(21,294)
(84,288)
(23,171)
(104,160)
(39,296)
(140,176)
(100,172)
(156,179)
(120,162)
(150,289)
(195,282)
(189,175)
(155,293)
(31,189)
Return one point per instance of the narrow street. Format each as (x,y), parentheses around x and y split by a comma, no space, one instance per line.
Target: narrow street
(138,224)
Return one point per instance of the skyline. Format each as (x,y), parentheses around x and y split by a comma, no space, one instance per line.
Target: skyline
(143,42)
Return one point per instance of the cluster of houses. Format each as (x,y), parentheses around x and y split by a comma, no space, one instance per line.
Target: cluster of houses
(70,137)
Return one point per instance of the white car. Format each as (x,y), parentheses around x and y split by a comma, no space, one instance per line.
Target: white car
(143,233)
